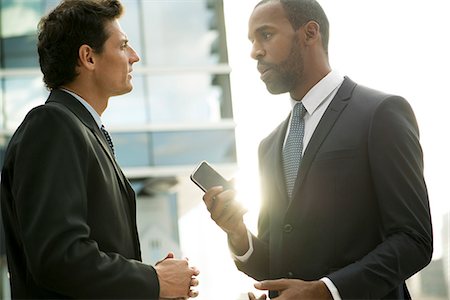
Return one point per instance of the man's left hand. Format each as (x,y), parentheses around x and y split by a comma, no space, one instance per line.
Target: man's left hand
(296,289)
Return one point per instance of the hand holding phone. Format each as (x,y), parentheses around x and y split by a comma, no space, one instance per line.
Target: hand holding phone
(206,177)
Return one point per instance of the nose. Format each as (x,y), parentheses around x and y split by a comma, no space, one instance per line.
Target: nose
(134,57)
(257,51)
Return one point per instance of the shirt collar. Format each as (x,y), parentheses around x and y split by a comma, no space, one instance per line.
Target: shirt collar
(90,109)
(318,93)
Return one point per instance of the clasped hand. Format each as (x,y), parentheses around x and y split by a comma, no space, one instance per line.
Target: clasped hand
(176,278)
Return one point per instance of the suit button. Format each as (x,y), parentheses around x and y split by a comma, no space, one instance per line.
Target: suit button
(290,275)
(287,228)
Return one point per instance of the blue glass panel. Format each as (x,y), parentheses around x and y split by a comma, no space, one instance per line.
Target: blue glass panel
(19,52)
(132,149)
(190,147)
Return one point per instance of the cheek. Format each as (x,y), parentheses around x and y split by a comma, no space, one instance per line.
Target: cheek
(279,54)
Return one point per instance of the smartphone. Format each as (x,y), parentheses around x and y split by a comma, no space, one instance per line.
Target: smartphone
(206,177)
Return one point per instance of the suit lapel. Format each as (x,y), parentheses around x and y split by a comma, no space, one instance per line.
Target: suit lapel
(275,163)
(67,100)
(329,118)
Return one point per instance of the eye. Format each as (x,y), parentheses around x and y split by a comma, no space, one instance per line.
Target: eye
(266,35)
(124,46)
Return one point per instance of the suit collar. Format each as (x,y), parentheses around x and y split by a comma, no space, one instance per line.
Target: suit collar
(78,109)
(74,106)
(81,112)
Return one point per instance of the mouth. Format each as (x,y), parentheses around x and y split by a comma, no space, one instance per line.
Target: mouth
(262,69)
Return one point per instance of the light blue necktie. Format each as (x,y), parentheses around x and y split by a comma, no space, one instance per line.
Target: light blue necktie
(292,151)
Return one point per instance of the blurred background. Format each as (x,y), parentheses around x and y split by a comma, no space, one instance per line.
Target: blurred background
(197,96)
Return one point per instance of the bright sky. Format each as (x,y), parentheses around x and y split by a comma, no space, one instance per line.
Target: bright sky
(399,47)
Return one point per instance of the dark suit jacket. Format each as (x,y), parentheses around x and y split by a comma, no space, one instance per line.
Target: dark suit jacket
(68,211)
(360,213)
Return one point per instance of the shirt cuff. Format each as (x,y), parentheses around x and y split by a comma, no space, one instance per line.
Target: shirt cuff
(246,256)
(333,290)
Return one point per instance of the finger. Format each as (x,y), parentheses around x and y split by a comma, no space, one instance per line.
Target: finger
(210,194)
(194,282)
(195,271)
(230,212)
(252,296)
(274,285)
(222,203)
(193,294)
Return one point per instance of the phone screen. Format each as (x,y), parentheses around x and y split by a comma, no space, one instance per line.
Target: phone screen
(206,177)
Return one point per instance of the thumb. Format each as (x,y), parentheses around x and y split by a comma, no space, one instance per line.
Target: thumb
(168,256)
(274,285)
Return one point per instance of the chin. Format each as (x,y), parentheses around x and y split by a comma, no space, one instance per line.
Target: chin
(123,91)
(275,90)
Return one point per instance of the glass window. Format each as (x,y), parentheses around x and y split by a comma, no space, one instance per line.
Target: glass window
(19,18)
(131,24)
(190,147)
(189,98)
(132,149)
(128,109)
(19,52)
(178,33)
(174,147)
(21,94)
(2,112)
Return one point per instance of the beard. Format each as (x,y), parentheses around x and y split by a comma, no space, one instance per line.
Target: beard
(285,75)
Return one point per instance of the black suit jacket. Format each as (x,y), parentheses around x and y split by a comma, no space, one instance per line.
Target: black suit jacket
(68,211)
(360,213)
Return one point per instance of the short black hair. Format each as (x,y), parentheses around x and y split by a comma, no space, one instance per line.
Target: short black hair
(65,29)
(300,12)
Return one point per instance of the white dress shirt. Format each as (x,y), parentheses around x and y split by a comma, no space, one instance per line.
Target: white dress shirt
(316,101)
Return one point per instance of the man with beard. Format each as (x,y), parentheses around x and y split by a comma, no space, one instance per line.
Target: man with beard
(345,211)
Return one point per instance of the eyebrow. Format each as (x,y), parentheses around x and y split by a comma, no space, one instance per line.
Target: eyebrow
(260,29)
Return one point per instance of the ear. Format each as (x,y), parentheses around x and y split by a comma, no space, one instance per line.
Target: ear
(312,32)
(86,57)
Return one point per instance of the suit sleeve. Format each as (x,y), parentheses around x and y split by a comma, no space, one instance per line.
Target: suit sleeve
(396,164)
(50,191)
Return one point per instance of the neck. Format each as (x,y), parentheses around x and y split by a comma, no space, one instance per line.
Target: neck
(97,102)
(311,77)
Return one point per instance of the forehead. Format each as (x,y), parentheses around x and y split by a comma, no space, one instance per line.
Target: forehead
(267,15)
(114,30)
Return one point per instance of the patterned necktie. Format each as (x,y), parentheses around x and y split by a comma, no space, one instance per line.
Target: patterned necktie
(292,151)
(108,139)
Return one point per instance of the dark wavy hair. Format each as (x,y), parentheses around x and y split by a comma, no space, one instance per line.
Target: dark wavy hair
(64,30)
(300,12)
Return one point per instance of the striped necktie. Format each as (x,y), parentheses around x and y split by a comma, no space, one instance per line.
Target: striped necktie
(108,139)
(292,151)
